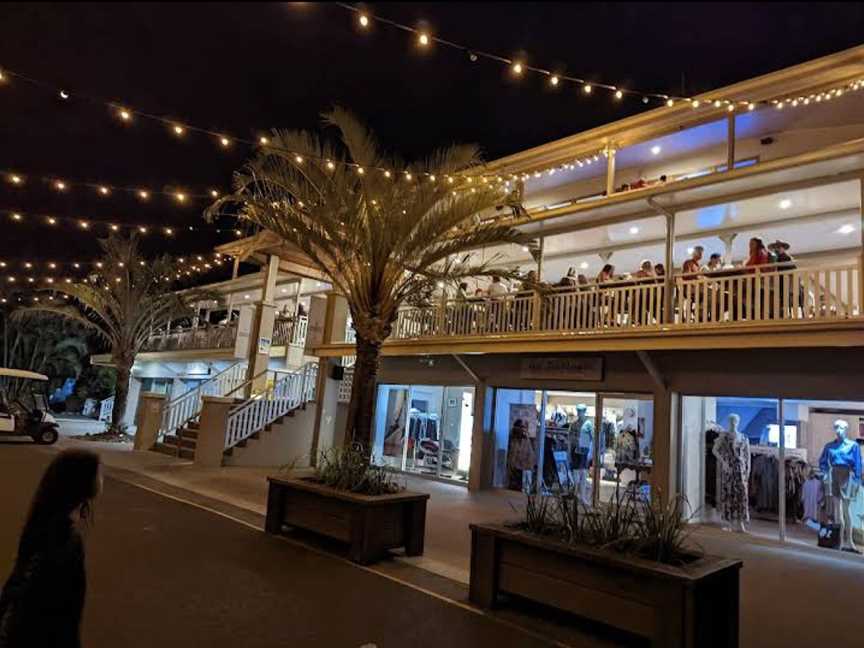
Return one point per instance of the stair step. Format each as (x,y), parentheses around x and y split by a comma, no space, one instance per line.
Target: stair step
(193,425)
(172,441)
(190,434)
(171,451)
(228,453)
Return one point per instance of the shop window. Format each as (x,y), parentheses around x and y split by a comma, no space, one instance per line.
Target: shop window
(626,446)
(425,429)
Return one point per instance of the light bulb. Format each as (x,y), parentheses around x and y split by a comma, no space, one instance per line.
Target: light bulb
(553,80)
(142,229)
(52,220)
(64,95)
(423,39)
(517,68)
(619,94)
(695,103)
(363,20)
(84,225)
(178,129)
(60,185)
(330,165)
(224,141)
(752,106)
(298,159)
(587,88)
(408,176)
(16,217)
(180,196)
(214,193)
(124,114)
(143,194)
(114,227)
(361,170)
(104,190)
(387,174)
(670,102)
(15,179)
(263,141)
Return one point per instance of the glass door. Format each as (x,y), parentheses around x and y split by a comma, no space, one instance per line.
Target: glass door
(391,420)
(624,435)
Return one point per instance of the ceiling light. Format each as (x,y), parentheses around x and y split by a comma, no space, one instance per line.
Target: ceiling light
(846,229)
(655,150)
(634,230)
(785,203)
(584,265)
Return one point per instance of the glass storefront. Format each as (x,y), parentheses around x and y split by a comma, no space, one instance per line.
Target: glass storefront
(425,429)
(736,472)
(574,440)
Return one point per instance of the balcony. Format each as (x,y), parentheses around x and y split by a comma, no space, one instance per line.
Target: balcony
(205,337)
(772,296)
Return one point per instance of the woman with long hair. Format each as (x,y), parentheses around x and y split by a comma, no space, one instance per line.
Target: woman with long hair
(42,602)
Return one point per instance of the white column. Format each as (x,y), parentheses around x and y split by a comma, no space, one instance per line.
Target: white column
(610,170)
(262,329)
(668,283)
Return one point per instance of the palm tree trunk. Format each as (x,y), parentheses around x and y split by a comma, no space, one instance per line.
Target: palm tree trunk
(121,394)
(363,390)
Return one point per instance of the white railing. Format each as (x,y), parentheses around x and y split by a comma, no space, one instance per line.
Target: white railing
(290,331)
(772,295)
(289,390)
(765,294)
(218,336)
(106,408)
(177,412)
(345,385)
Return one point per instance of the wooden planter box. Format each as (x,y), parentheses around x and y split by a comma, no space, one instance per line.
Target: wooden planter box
(689,607)
(370,524)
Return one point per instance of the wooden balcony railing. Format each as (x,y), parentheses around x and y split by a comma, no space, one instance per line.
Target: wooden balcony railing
(218,336)
(766,294)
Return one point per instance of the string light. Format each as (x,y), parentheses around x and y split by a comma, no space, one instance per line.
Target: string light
(554,80)
(104,190)
(124,114)
(143,194)
(15,179)
(363,19)
(60,185)
(178,130)
(517,68)
(619,94)
(64,95)
(263,141)
(423,39)
(587,88)
(224,141)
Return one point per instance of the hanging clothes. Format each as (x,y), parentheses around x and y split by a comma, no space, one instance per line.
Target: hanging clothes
(812,499)
(733,459)
(710,467)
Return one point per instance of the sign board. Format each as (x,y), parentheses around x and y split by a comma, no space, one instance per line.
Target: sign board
(264,345)
(244,331)
(555,368)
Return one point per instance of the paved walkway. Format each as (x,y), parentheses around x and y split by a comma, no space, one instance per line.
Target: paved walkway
(164,573)
(790,595)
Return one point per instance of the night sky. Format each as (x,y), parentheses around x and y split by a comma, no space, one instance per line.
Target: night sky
(245,68)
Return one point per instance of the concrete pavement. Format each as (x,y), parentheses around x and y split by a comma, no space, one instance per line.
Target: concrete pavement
(163,572)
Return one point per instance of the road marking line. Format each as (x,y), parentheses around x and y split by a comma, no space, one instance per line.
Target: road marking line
(320,552)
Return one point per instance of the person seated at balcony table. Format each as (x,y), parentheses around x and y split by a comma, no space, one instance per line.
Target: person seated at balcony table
(659,270)
(693,264)
(715,262)
(497,289)
(582,280)
(462,292)
(569,280)
(645,271)
(529,282)
(785,261)
(607,274)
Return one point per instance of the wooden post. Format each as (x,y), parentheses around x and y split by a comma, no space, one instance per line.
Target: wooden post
(781,474)
(730,141)
(236,269)
(668,284)
(861,255)
(610,170)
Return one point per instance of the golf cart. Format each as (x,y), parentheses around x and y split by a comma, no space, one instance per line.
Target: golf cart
(28,415)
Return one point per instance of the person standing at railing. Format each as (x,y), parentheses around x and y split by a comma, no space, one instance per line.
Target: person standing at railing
(645,271)
(694,263)
(604,298)
(715,262)
(785,262)
(758,257)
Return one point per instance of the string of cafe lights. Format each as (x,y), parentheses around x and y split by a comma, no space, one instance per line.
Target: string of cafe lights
(195,262)
(180,129)
(518,67)
(106,190)
(83,224)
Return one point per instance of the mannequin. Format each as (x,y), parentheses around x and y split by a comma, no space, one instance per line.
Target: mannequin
(581,441)
(841,466)
(732,450)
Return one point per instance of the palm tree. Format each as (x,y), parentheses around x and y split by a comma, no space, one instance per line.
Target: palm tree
(384,231)
(121,302)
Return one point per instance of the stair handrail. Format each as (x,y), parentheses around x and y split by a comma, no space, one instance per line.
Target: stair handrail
(177,412)
(291,390)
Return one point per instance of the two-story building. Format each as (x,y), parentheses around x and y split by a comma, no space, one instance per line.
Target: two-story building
(623,366)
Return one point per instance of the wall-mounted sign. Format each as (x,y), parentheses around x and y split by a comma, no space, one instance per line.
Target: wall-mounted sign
(264,345)
(554,368)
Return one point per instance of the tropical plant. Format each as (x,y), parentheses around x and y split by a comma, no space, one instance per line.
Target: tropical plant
(350,469)
(648,528)
(121,302)
(45,345)
(385,232)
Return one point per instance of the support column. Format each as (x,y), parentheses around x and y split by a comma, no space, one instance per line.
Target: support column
(728,239)
(665,451)
(262,328)
(861,255)
(668,278)
(540,259)
(210,444)
(148,419)
(326,431)
(236,268)
(477,478)
(610,170)
(730,141)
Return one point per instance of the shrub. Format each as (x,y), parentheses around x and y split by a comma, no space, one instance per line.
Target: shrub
(350,469)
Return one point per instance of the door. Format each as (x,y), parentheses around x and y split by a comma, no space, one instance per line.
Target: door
(624,441)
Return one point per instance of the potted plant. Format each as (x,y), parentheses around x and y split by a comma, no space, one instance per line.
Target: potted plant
(627,564)
(352,500)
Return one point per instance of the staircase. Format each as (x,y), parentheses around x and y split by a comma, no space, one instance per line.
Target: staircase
(178,431)
(284,397)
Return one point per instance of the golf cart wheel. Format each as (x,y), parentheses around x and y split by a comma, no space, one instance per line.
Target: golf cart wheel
(46,436)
